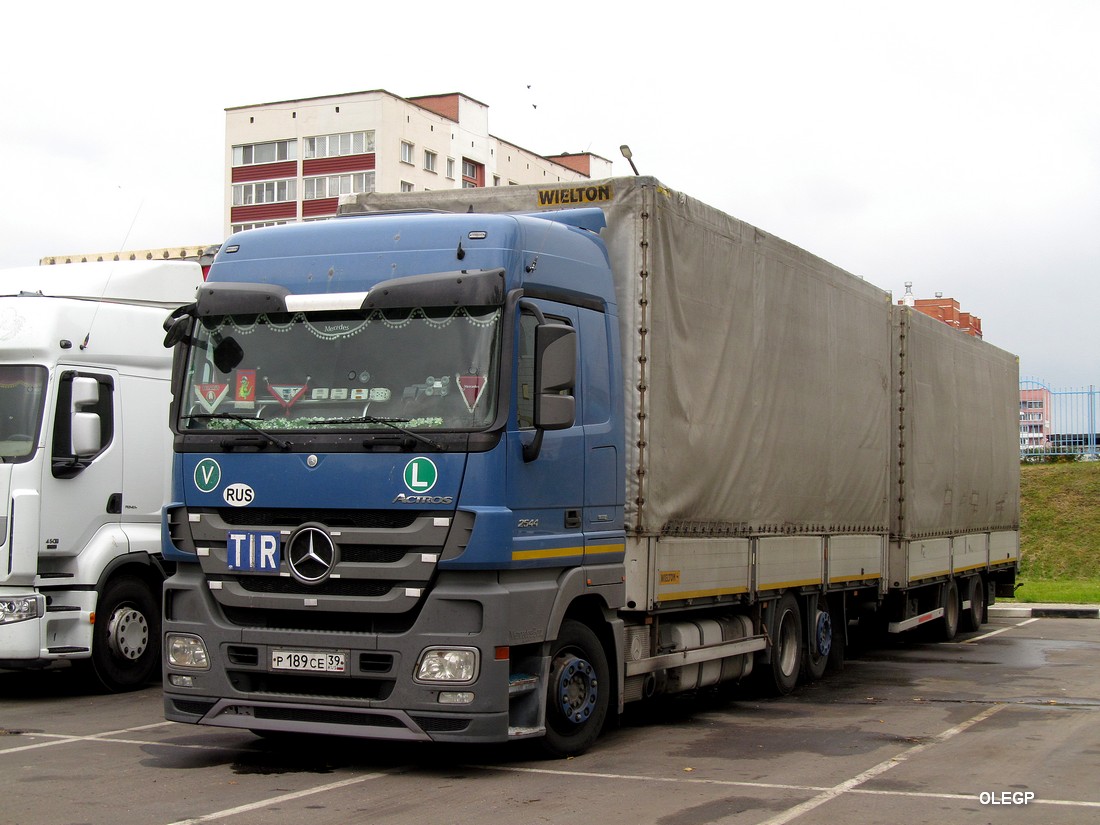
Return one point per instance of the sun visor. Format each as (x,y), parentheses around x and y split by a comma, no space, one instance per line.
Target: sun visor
(482,288)
(241,299)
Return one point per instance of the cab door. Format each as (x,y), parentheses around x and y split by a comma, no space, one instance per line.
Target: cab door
(82,477)
(546,494)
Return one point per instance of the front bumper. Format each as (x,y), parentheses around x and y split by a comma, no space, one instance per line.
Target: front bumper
(377,697)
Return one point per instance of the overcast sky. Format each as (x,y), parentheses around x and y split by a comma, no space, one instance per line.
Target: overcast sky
(952,144)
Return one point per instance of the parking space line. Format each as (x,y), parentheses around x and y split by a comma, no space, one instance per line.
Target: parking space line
(880,768)
(996,632)
(111,736)
(276,800)
(824,794)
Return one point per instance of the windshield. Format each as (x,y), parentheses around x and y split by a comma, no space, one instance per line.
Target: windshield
(424,368)
(22,390)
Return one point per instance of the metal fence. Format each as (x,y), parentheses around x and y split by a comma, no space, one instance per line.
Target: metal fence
(1058,423)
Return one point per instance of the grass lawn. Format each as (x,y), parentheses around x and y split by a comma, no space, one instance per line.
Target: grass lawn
(1060,533)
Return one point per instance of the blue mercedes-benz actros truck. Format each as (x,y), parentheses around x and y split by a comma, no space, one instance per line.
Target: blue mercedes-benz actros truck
(487,465)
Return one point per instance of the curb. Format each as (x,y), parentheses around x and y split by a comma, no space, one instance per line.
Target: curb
(1045,611)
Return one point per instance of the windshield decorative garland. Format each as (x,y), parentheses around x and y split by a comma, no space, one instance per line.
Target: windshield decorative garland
(419,368)
(335,330)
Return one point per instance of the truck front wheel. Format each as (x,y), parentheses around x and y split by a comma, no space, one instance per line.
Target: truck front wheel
(578,692)
(126,636)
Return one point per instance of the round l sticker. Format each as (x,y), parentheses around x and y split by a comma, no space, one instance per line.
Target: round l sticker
(421,475)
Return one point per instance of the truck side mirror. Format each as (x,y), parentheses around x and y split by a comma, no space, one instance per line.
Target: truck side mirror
(177,325)
(555,370)
(86,429)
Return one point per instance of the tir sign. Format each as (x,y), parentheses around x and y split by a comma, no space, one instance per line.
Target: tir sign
(253,551)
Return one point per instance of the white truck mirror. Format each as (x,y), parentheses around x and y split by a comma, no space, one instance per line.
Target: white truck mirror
(85,425)
(86,438)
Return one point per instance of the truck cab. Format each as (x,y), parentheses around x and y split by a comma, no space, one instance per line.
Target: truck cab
(85,457)
(397,468)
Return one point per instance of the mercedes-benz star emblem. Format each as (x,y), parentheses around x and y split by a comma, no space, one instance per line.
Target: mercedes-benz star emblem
(311,554)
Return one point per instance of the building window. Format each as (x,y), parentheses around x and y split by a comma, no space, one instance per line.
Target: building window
(451,168)
(473,174)
(254,153)
(241,227)
(267,191)
(429,160)
(407,152)
(496,180)
(406,186)
(345,143)
(331,186)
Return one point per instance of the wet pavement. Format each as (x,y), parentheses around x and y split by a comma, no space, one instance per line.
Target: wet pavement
(1000,726)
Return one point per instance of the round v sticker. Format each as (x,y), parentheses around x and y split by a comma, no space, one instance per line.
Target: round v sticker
(420,475)
(208,475)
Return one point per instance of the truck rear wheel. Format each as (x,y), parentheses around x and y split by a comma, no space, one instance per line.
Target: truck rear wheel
(126,636)
(819,642)
(949,624)
(785,630)
(972,618)
(578,691)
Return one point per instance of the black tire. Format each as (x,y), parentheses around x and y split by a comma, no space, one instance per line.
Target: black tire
(578,692)
(785,629)
(126,636)
(972,618)
(819,642)
(948,626)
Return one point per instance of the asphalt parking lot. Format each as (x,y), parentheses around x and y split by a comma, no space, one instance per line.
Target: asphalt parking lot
(1002,726)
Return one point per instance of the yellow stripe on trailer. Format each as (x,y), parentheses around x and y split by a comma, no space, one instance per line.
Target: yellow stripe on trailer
(699,594)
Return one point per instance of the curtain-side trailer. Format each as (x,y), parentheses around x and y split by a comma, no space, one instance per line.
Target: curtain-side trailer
(520,456)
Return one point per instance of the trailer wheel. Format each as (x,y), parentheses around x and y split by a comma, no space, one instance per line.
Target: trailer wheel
(578,692)
(126,636)
(785,630)
(819,643)
(973,617)
(838,652)
(949,624)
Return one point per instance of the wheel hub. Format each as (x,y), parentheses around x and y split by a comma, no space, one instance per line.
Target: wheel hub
(824,633)
(128,633)
(578,690)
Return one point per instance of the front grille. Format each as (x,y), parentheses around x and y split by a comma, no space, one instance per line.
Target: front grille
(334,519)
(308,620)
(241,655)
(332,587)
(327,717)
(191,706)
(441,724)
(376,553)
(295,684)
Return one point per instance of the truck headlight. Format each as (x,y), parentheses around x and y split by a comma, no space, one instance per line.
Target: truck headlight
(186,650)
(448,664)
(18,609)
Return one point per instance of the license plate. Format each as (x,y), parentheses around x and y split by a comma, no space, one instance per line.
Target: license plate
(311,661)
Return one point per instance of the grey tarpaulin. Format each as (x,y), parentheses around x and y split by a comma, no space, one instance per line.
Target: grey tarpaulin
(760,380)
(957,467)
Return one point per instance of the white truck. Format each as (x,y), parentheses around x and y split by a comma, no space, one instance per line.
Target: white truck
(83,404)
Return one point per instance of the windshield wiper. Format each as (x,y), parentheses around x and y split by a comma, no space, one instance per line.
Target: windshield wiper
(393,423)
(240,419)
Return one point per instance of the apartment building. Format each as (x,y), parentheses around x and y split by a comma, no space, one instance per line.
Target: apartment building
(943,309)
(292,160)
